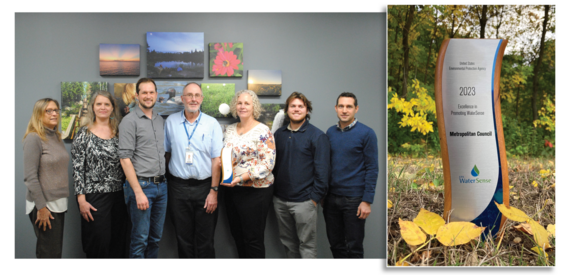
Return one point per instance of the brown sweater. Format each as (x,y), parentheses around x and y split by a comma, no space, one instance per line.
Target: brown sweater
(45,168)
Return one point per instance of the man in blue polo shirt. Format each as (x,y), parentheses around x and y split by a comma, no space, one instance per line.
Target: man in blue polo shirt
(354,166)
(193,144)
(301,178)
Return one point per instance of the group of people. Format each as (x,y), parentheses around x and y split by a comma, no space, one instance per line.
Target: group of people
(121,168)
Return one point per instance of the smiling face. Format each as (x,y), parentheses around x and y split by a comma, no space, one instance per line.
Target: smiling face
(102,107)
(147,95)
(244,106)
(192,98)
(297,111)
(346,110)
(50,120)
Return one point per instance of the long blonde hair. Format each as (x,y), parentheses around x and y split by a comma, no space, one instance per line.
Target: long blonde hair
(129,91)
(36,124)
(90,117)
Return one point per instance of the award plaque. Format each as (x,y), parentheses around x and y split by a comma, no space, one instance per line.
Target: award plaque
(471,131)
(227,171)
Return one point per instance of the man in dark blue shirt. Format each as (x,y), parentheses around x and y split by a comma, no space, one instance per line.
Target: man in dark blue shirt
(301,172)
(354,172)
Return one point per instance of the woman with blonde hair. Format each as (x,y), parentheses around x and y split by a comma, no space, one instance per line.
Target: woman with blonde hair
(45,176)
(253,158)
(99,180)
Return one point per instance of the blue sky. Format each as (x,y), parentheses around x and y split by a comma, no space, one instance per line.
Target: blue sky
(175,41)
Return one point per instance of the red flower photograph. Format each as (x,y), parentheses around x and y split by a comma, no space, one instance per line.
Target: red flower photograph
(226,59)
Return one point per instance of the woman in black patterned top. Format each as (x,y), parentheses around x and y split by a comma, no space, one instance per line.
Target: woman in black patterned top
(99,180)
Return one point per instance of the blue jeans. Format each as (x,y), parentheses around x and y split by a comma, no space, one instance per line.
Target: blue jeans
(345,230)
(147,224)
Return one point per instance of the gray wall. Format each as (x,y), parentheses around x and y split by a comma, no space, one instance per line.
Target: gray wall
(320,55)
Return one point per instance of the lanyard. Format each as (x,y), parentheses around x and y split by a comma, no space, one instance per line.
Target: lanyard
(197,121)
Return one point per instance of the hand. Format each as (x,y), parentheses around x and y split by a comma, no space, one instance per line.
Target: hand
(314,202)
(363,210)
(84,210)
(211,202)
(142,201)
(43,218)
(234,182)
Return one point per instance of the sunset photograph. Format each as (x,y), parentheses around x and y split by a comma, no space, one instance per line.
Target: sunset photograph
(119,59)
(264,82)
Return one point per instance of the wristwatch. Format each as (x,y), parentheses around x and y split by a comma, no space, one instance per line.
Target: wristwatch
(215,188)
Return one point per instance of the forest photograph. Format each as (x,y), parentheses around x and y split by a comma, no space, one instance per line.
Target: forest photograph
(419,234)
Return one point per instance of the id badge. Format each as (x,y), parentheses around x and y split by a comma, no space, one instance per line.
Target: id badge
(189,156)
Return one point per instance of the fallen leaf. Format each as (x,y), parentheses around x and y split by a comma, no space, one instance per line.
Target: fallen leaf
(516,197)
(539,251)
(534,184)
(411,233)
(551,228)
(389,204)
(426,255)
(430,222)
(457,233)
(512,213)
(524,227)
(540,234)
(517,240)
(402,263)
(511,187)
(393,189)
(553,185)
(548,202)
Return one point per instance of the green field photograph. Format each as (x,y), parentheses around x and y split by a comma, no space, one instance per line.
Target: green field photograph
(264,82)
(75,98)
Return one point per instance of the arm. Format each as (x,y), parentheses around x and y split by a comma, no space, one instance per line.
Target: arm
(371,176)
(212,199)
(321,155)
(78,155)
(32,155)
(127,142)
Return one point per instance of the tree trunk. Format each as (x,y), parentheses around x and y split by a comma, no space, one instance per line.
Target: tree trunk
(405,42)
(537,66)
(483,21)
(430,44)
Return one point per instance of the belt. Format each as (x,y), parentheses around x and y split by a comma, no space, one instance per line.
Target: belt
(156,180)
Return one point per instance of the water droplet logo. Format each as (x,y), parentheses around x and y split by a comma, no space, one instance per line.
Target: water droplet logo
(475,171)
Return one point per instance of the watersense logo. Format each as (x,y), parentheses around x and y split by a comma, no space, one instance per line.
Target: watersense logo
(475,173)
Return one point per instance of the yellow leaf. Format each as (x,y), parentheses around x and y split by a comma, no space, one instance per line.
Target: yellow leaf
(411,233)
(429,222)
(389,204)
(457,233)
(402,263)
(511,187)
(392,189)
(540,234)
(539,251)
(551,228)
(524,227)
(512,213)
(534,184)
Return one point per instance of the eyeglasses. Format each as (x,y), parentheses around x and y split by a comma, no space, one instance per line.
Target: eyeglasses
(50,111)
(191,96)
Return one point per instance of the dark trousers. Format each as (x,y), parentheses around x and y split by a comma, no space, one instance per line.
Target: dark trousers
(106,235)
(247,210)
(345,230)
(193,226)
(50,242)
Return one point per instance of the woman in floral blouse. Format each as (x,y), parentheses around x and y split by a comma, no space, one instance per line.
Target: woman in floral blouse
(253,158)
(98,180)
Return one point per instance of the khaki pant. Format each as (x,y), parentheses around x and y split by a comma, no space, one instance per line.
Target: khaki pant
(297,227)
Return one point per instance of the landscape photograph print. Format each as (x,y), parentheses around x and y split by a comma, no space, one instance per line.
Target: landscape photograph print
(119,59)
(175,54)
(226,59)
(125,95)
(264,82)
(419,233)
(75,98)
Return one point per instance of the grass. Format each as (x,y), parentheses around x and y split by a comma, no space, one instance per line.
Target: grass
(415,183)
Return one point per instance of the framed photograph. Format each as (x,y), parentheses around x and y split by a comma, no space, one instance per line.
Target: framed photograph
(119,59)
(264,82)
(175,54)
(226,59)
(273,115)
(125,95)
(216,94)
(75,98)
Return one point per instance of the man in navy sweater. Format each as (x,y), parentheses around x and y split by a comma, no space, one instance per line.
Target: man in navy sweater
(302,167)
(354,171)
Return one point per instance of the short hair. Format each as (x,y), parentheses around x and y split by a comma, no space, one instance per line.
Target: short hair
(255,101)
(347,94)
(189,83)
(145,80)
(115,118)
(36,125)
(302,97)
